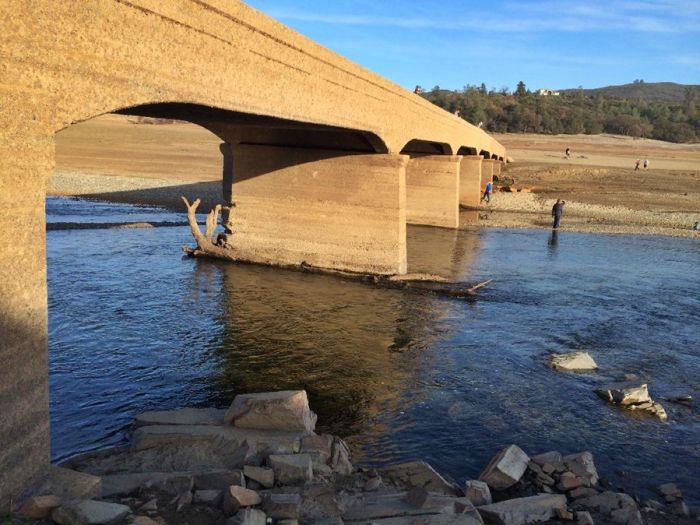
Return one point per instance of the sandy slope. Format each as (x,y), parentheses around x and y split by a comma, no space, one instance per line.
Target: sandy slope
(113,158)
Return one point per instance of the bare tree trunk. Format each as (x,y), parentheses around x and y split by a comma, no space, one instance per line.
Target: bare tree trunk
(209,247)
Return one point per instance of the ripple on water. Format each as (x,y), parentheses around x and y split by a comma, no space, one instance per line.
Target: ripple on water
(135,326)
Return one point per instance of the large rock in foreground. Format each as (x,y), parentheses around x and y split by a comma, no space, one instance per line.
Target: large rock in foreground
(506,468)
(286,410)
(521,511)
(574,361)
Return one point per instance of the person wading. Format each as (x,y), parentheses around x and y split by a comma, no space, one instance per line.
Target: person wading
(557,211)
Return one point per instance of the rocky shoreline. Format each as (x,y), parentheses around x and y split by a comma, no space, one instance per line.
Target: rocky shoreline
(260,462)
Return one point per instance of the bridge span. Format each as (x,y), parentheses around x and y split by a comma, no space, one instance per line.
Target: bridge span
(325,161)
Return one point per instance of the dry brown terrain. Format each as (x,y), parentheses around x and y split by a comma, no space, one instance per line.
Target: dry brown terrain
(114,158)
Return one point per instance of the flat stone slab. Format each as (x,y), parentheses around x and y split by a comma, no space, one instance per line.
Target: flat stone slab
(287,410)
(417,474)
(182,416)
(70,484)
(371,507)
(573,361)
(292,468)
(521,511)
(121,484)
(265,442)
(90,512)
(506,468)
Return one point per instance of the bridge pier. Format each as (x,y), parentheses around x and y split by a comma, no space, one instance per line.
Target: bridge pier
(328,208)
(26,163)
(497,167)
(432,190)
(470,180)
(487,169)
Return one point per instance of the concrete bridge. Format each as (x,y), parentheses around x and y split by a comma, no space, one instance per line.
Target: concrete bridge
(325,161)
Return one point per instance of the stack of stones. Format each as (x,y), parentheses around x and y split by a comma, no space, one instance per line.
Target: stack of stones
(261,463)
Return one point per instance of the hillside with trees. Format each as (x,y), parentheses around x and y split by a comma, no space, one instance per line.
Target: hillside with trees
(573,112)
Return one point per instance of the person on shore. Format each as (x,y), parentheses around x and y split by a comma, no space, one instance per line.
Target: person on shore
(557,211)
(568,153)
(636,165)
(646,163)
(487,192)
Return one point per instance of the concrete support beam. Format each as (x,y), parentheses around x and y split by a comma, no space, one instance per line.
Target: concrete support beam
(26,163)
(470,180)
(497,167)
(432,190)
(487,172)
(330,209)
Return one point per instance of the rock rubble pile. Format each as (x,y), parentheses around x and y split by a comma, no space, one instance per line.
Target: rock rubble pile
(261,463)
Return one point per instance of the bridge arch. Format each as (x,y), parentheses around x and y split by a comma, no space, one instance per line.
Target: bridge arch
(426,147)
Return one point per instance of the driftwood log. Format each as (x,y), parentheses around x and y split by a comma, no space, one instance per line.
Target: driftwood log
(210,247)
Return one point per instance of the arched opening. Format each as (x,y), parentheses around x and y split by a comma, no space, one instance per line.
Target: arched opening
(485,154)
(424,147)
(466,150)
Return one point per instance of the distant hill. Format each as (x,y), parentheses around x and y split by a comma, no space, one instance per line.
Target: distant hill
(651,91)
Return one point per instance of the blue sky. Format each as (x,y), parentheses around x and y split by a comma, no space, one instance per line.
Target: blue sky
(545,43)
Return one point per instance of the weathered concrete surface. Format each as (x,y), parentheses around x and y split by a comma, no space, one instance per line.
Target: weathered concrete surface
(326,208)
(432,190)
(220,64)
(497,167)
(487,168)
(470,180)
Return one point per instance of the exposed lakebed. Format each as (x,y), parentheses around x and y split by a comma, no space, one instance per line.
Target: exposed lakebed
(403,375)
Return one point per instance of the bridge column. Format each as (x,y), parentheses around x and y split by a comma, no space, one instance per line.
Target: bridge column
(330,209)
(487,172)
(432,190)
(497,167)
(26,163)
(470,180)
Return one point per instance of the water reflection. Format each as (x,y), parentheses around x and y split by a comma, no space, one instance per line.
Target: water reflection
(553,243)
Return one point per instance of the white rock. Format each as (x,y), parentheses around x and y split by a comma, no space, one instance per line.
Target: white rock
(506,468)
(573,361)
(625,393)
(521,511)
(286,410)
(89,512)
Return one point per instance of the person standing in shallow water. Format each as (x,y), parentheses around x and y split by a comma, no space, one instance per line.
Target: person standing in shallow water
(557,211)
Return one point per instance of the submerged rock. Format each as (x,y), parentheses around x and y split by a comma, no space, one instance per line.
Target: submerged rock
(506,468)
(625,393)
(287,410)
(575,361)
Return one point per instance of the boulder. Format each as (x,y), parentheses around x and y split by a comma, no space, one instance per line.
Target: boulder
(320,447)
(39,507)
(477,492)
(583,466)
(211,498)
(282,506)
(340,457)
(670,492)
(236,497)
(69,484)
(506,468)
(606,502)
(573,361)
(219,480)
(418,474)
(248,516)
(521,511)
(264,476)
(584,518)
(291,468)
(626,516)
(549,462)
(569,481)
(625,393)
(286,410)
(582,492)
(183,416)
(89,512)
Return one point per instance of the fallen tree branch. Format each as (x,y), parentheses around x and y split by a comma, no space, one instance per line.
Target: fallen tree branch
(209,247)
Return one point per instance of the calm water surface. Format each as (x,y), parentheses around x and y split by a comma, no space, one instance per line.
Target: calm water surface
(403,375)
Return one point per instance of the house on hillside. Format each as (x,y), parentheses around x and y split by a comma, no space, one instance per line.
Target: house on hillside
(548,93)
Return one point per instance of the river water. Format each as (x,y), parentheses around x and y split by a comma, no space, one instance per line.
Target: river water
(134,326)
